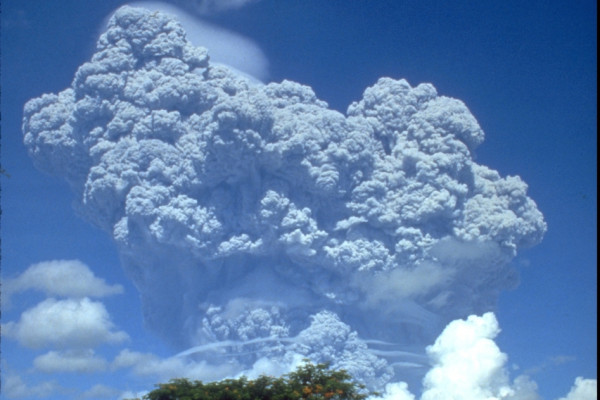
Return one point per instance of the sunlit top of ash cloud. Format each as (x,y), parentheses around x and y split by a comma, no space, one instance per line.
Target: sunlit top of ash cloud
(259,225)
(239,53)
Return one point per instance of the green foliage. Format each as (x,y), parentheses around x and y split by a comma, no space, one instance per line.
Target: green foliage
(309,381)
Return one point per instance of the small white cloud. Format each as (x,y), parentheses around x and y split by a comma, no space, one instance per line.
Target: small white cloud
(274,367)
(524,389)
(550,362)
(66,324)
(65,278)
(583,389)
(103,392)
(395,391)
(80,361)
(131,395)
(13,387)
(127,359)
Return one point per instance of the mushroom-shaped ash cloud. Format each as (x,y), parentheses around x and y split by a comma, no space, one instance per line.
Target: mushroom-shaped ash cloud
(256,217)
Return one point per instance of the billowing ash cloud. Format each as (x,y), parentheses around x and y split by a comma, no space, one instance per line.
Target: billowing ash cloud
(226,47)
(260,226)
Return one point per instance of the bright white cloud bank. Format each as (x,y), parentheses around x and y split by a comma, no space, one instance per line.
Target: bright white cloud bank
(64,278)
(103,392)
(71,323)
(583,389)
(261,226)
(81,361)
(466,364)
(13,387)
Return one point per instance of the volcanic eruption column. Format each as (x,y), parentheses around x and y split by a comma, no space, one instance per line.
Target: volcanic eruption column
(258,224)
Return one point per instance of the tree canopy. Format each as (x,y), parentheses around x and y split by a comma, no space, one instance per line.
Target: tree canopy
(309,381)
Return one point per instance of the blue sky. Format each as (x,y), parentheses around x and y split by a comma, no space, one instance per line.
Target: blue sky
(526,71)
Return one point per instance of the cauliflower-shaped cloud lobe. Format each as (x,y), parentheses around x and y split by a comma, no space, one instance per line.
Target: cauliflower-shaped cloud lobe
(245,211)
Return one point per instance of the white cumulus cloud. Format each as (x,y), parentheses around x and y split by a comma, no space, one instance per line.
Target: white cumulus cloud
(64,278)
(396,391)
(65,324)
(467,363)
(583,389)
(100,391)
(78,361)
(132,395)
(14,387)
